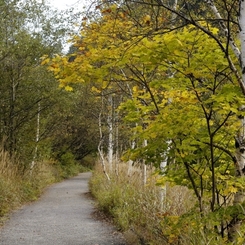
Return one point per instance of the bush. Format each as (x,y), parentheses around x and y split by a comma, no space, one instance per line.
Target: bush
(69,166)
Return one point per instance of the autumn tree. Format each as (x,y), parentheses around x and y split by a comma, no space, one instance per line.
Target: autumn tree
(223,15)
(180,71)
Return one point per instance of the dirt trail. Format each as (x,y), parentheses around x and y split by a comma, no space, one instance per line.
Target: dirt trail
(62,216)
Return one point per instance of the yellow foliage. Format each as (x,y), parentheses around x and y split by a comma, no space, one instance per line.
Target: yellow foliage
(230,190)
(45,60)
(147,19)
(135,89)
(68,88)
(96,90)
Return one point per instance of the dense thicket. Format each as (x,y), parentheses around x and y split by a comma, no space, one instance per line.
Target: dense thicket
(37,118)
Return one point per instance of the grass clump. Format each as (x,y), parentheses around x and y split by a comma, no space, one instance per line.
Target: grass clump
(68,165)
(137,210)
(20,185)
(133,206)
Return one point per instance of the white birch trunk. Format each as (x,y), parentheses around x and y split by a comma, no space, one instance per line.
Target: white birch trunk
(174,8)
(145,166)
(131,162)
(163,189)
(100,149)
(33,163)
(242,37)
(224,28)
(241,137)
(110,137)
(239,197)
(117,144)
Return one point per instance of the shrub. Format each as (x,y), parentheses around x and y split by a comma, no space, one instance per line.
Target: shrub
(69,166)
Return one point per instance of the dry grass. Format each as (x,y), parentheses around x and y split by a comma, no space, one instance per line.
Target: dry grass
(18,186)
(136,208)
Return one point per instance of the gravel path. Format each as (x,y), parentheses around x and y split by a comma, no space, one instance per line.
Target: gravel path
(62,216)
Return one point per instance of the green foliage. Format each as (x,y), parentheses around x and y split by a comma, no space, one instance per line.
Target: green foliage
(182,97)
(74,125)
(69,166)
(31,100)
(67,159)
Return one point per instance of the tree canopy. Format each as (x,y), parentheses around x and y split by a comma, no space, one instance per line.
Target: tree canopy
(178,69)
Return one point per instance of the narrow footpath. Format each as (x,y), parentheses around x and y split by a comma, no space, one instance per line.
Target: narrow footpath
(62,216)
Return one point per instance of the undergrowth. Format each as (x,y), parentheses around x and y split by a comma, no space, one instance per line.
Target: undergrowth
(19,185)
(133,206)
(137,209)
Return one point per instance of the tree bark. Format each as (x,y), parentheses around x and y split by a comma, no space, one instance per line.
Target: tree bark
(37,137)
(110,130)
(145,166)
(239,198)
(100,149)
(241,20)
(224,28)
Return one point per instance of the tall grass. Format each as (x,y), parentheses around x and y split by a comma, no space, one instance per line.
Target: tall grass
(134,207)
(19,185)
(137,209)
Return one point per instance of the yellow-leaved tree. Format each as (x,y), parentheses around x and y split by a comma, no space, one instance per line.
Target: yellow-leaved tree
(179,88)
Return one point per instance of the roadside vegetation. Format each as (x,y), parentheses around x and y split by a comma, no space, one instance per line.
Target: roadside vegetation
(19,186)
(169,84)
(44,136)
(159,85)
(138,210)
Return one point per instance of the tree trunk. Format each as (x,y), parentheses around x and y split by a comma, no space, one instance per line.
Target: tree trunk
(131,162)
(242,37)
(110,130)
(145,166)
(239,198)
(100,149)
(163,189)
(37,137)
(224,28)
(117,144)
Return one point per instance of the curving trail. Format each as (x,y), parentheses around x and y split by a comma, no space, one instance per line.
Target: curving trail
(62,216)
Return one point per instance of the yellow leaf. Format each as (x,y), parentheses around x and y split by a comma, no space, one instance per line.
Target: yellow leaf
(68,88)
(147,19)
(135,89)
(45,61)
(229,190)
(180,43)
(104,84)
(94,89)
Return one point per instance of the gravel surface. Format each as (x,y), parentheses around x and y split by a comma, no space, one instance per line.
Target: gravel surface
(62,216)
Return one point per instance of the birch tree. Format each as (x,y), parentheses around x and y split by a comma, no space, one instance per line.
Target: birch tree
(197,129)
(230,17)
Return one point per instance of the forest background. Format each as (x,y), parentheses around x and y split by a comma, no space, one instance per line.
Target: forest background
(156,88)
(43,132)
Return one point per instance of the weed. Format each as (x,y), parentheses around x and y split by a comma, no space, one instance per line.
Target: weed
(137,209)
